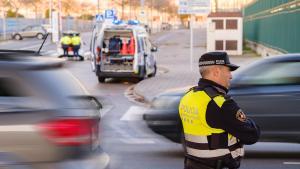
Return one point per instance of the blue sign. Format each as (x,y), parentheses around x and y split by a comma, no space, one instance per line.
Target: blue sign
(133,22)
(99,17)
(110,14)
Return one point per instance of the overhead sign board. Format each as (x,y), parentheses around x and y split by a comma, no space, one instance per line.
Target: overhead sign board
(194,7)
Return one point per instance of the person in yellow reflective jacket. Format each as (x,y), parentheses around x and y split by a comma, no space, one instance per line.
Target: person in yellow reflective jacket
(215,127)
(76,42)
(65,43)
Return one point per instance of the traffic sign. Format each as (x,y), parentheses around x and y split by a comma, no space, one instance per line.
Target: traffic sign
(110,14)
(99,17)
(194,7)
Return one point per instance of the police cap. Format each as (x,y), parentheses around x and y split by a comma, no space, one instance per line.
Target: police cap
(216,58)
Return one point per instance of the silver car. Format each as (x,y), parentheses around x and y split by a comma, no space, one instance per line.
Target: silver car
(32,31)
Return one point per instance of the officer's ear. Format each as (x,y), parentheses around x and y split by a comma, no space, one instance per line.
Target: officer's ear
(216,71)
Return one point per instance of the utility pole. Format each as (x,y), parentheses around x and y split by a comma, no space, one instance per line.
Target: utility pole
(122,9)
(60,18)
(4,23)
(151,11)
(98,6)
(129,9)
(50,13)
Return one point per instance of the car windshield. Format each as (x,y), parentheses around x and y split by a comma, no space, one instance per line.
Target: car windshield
(278,73)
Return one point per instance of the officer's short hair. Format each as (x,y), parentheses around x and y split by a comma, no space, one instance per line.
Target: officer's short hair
(205,70)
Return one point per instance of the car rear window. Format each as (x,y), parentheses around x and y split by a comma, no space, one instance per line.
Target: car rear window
(279,73)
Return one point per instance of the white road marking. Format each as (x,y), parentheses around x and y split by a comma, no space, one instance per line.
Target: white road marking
(291,163)
(161,38)
(105,110)
(137,141)
(134,113)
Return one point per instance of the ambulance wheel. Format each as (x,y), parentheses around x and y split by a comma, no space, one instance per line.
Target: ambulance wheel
(154,73)
(142,75)
(101,79)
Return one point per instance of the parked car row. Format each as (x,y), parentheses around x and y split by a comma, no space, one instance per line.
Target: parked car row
(268,91)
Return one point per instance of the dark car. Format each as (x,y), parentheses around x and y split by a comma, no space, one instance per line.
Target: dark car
(46,116)
(268,91)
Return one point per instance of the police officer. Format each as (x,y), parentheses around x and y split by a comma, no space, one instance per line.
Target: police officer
(76,42)
(215,127)
(65,43)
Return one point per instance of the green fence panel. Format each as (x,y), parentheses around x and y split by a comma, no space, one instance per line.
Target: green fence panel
(274,23)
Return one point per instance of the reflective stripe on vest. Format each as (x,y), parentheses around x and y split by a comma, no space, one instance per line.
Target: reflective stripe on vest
(192,111)
(207,153)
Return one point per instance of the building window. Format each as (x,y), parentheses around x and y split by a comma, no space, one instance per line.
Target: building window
(219,45)
(231,24)
(219,23)
(231,45)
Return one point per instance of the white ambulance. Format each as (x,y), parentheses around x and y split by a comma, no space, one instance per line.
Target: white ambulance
(122,50)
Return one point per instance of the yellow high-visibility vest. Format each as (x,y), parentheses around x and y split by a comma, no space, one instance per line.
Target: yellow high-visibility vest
(192,110)
(76,40)
(65,40)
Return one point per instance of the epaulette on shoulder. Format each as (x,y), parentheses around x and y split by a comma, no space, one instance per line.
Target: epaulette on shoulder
(196,88)
(211,92)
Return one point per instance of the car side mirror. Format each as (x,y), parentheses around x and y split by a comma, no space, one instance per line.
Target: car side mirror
(154,49)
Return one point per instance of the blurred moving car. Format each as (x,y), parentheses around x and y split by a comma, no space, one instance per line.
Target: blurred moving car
(268,91)
(46,115)
(31,31)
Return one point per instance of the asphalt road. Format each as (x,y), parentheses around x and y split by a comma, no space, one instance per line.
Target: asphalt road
(130,144)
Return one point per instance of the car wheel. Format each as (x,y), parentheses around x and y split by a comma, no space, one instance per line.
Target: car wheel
(40,36)
(101,79)
(18,37)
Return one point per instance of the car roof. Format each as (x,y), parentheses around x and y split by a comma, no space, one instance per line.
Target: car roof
(282,58)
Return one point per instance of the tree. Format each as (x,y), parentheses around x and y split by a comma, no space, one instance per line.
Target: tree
(15,4)
(47,14)
(35,4)
(86,17)
(12,14)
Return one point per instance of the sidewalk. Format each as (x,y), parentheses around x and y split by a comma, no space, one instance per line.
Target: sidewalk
(174,55)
